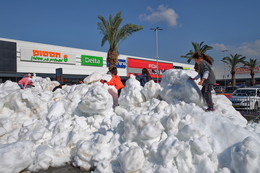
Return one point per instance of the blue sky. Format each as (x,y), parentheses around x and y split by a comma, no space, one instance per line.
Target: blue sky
(224,24)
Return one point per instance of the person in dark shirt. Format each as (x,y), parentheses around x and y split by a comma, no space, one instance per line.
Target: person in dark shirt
(207,77)
(57,87)
(144,77)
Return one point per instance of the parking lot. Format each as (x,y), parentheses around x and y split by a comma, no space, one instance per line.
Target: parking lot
(247,107)
(246,101)
(251,116)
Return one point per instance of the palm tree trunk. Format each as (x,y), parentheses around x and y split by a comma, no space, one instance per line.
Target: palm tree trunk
(252,78)
(112,58)
(233,75)
(233,80)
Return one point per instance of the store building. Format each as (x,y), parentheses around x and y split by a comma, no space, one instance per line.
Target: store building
(243,77)
(69,64)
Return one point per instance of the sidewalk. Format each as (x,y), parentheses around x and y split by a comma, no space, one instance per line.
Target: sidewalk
(255,116)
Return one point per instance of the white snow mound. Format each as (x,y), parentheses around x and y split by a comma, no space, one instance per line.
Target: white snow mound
(156,128)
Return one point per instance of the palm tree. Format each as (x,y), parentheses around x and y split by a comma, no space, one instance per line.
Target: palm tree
(251,65)
(233,61)
(198,48)
(114,34)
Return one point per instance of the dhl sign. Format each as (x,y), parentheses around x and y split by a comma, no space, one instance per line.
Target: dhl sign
(47,56)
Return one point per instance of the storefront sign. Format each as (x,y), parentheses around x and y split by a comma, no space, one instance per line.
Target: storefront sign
(121,63)
(91,60)
(243,70)
(186,68)
(177,67)
(150,65)
(38,55)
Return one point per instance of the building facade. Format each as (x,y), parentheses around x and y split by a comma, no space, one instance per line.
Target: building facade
(71,64)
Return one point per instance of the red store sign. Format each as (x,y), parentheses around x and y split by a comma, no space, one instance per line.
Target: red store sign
(150,65)
(243,70)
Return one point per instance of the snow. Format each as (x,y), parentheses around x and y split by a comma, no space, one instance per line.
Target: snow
(156,128)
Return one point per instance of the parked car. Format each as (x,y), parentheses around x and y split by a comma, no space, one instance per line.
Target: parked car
(255,86)
(246,99)
(229,91)
(219,89)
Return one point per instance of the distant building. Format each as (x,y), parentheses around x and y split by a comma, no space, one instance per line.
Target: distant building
(243,77)
(69,64)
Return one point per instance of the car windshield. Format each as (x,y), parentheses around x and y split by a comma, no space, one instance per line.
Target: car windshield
(245,93)
(230,89)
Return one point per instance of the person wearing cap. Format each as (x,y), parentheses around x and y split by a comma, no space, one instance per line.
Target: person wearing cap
(25,81)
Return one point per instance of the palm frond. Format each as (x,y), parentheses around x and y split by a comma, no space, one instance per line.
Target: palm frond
(127,30)
(233,60)
(113,33)
(197,48)
(251,64)
(104,40)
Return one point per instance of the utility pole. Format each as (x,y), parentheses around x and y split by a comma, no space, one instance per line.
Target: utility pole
(224,51)
(157,57)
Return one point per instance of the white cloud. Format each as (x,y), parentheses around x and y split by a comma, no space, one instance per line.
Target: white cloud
(220,47)
(162,13)
(248,49)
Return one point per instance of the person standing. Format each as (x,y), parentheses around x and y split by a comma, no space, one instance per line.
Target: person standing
(207,77)
(25,81)
(144,77)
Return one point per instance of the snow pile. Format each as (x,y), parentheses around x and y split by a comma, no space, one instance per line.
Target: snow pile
(96,77)
(44,83)
(177,87)
(155,128)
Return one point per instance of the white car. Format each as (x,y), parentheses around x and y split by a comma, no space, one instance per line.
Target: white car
(246,99)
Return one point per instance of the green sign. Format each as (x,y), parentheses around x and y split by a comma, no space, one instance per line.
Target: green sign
(91,60)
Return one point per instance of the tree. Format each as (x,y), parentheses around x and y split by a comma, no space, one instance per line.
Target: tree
(233,61)
(251,65)
(198,48)
(114,34)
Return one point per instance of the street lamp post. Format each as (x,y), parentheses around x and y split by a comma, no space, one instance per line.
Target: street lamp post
(224,51)
(157,57)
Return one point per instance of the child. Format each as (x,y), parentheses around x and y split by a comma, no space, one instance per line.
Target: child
(207,77)
(25,81)
(116,80)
